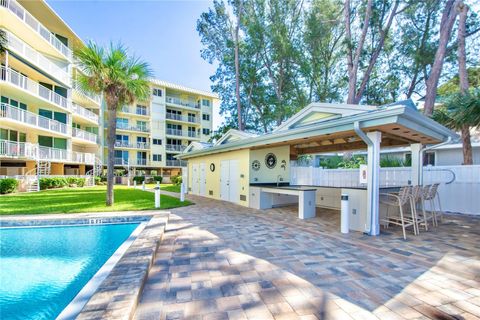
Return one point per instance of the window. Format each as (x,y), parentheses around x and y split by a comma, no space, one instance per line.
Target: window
(122,123)
(157,92)
(121,156)
(429,159)
(206,131)
(121,140)
(205,102)
(142,125)
(206,117)
(141,110)
(157,142)
(157,157)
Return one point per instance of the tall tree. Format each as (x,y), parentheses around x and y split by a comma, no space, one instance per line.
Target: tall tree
(121,79)
(239,9)
(446,26)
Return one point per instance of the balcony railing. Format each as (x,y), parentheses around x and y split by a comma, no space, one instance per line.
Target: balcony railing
(17,114)
(180,133)
(134,110)
(37,58)
(84,135)
(175,147)
(81,111)
(176,163)
(14,7)
(131,162)
(88,95)
(179,117)
(138,145)
(19,80)
(142,162)
(182,102)
(35,152)
(122,126)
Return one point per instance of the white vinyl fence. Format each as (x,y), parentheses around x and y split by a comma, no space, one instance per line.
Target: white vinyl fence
(459,189)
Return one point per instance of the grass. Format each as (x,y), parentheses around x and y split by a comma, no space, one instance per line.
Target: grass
(165,187)
(83,200)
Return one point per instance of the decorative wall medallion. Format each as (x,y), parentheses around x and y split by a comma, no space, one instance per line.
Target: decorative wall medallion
(212,167)
(256,165)
(270,160)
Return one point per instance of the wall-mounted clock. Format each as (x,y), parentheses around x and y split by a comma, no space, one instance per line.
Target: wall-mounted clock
(270,160)
(256,165)
(212,167)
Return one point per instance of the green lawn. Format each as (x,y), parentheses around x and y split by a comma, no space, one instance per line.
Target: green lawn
(83,200)
(166,187)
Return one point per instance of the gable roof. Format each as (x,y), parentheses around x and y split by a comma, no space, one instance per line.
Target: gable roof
(233,135)
(197,145)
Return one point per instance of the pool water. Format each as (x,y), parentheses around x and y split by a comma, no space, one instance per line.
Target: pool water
(43,269)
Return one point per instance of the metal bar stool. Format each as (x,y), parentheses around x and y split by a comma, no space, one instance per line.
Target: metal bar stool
(400,200)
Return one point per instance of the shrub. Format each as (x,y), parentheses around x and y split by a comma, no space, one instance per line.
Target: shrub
(8,185)
(75,182)
(53,183)
(158,178)
(139,179)
(98,180)
(176,179)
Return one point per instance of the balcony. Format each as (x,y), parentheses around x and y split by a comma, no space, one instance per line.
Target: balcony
(37,59)
(136,111)
(176,163)
(84,135)
(180,133)
(35,88)
(122,126)
(138,145)
(85,113)
(33,23)
(33,151)
(175,147)
(86,95)
(178,117)
(182,102)
(130,162)
(13,113)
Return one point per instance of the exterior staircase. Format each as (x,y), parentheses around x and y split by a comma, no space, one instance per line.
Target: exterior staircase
(32,177)
(95,172)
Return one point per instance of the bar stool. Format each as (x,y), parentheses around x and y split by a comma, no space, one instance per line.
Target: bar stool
(416,197)
(400,200)
(431,194)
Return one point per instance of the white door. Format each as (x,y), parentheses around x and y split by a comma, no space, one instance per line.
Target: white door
(234,182)
(202,180)
(225,180)
(195,178)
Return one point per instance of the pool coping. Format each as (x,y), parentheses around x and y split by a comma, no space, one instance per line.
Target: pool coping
(118,294)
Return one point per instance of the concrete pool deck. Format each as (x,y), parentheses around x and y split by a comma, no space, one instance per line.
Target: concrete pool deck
(218,260)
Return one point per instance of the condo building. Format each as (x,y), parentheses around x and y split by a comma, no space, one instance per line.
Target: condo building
(47,123)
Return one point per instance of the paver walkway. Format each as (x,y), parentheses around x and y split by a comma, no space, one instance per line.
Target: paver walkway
(222,261)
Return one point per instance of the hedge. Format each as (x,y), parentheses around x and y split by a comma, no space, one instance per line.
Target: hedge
(8,185)
(158,179)
(139,179)
(54,183)
(176,179)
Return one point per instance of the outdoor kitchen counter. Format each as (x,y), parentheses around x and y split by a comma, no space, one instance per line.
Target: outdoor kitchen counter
(268,196)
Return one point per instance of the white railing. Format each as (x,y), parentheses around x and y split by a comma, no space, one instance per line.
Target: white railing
(27,117)
(81,157)
(86,94)
(176,163)
(175,147)
(122,126)
(19,80)
(182,102)
(14,7)
(17,149)
(142,162)
(134,110)
(179,117)
(85,135)
(138,145)
(123,162)
(459,185)
(180,133)
(81,111)
(37,58)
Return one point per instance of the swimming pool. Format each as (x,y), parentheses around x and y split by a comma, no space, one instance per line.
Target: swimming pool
(43,268)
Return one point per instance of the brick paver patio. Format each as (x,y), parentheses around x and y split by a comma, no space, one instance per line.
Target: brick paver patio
(222,261)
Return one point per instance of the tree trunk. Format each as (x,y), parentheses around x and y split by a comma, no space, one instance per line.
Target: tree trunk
(446,25)
(111,132)
(237,67)
(463,77)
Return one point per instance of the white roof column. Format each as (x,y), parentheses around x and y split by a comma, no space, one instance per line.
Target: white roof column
(417,164)
(373,178)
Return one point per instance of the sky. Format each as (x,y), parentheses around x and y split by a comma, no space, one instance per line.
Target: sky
(161,32)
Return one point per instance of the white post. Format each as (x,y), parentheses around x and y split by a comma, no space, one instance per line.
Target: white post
(345,224)
(417,164)
(134,184)
(143,185)
(182,192)
(373,174)
(158,184)
(157,197)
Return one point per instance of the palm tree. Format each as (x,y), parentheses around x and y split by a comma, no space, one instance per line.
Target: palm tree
(121,79)
(3,41)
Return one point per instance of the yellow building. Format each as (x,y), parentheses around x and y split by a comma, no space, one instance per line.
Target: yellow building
(46,122)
